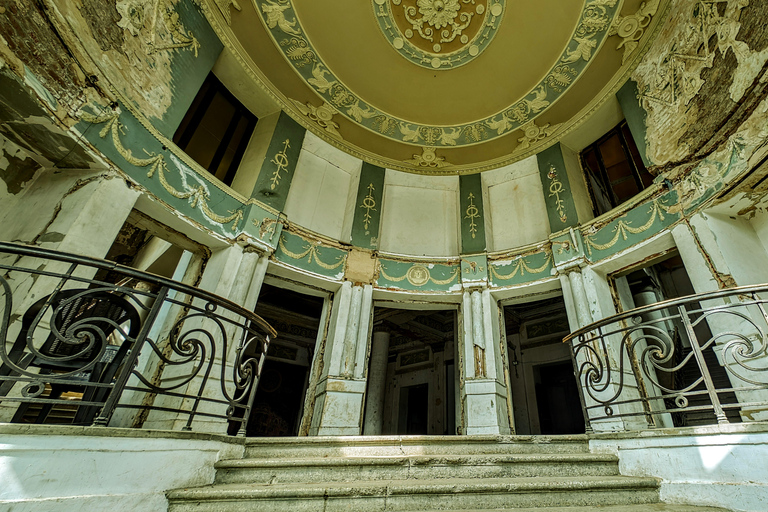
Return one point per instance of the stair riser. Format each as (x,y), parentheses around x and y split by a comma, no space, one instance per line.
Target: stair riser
(403,472)
(420,502)
(308,451)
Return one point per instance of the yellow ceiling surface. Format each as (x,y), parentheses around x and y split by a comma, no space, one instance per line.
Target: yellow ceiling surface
(441,86)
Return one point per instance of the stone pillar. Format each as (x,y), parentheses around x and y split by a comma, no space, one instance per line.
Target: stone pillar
(377,384)
(241,286)
(718,254)
(339,394)
(484,391)
(587,299)
(62,214)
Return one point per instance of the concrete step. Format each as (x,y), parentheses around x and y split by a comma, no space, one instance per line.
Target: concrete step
(419,495)
(338,469)
(375,446)
(652,507)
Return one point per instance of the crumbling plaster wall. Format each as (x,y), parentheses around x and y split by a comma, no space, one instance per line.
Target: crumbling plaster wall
(703,77)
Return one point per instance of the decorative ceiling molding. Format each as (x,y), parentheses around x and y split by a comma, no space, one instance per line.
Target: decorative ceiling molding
(225,8)
(428,159)
(321,116)
(439,34)
(261,80)
(290,38)
(631,28)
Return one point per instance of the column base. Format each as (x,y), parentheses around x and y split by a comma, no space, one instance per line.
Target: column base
(338,407)
(486,407)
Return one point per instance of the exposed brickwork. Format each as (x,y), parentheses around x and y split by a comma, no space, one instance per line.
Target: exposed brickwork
(25,28)
(102,17)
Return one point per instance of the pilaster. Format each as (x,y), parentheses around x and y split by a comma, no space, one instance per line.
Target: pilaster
(341,389)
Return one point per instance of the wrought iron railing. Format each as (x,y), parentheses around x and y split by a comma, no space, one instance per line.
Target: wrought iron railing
(694,360)
(88,341)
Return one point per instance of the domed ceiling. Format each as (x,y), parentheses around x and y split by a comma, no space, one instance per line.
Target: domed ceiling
(441,86)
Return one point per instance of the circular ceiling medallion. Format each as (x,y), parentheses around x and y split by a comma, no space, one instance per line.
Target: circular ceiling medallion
(439,34)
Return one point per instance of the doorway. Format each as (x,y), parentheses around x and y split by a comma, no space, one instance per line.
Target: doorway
(545,394)
(418,384)
(278,406)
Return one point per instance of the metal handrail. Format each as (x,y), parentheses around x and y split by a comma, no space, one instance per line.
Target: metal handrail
(165,343)
(658,306)
(37,252)
(676,362)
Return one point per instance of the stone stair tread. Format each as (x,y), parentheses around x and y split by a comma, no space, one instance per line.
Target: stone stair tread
(650,507)
(403,487)
(473,459)
(415,440)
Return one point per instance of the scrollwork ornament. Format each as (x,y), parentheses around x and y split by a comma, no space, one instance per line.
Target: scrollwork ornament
(632,27)
(428,158)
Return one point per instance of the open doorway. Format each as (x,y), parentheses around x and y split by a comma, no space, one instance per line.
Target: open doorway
(545,394)
(279,403)
(417,388)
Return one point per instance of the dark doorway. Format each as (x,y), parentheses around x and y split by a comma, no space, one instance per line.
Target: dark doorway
(558,399)
(278,400)
(279,403)
(414,406)
(545,395)
(420,382)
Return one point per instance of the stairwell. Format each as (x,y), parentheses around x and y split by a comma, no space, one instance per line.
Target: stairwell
(423,473)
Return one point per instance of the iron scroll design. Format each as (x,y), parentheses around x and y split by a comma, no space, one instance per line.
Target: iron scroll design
(99,343)
(691,361)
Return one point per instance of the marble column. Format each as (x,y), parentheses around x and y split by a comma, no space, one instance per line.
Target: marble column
(339,394)
(377,384)
(484,390)
(241,286)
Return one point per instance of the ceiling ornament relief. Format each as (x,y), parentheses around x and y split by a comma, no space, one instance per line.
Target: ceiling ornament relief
(533,133)
(428,159)
(321,116)
(439,34)
(286,30)
(631,28)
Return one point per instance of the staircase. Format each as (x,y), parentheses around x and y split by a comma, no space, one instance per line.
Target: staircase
(422,473)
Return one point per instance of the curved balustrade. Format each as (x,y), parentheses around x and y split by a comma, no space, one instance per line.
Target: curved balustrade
(115,346)
(695,360)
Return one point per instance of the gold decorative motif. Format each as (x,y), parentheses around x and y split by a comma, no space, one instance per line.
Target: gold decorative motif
(533,133)
(369,205)
(555,189)
(322,116)
(631,28)
(596,19)
(521,266)
(439,34)
(418,275)
(311,252)
(297,49)
(137,14)
(198,196)
(623,227)
(472,213)
(225,8)
(286,30)
(267,226)
(281,162)
(428,158)
(276,16)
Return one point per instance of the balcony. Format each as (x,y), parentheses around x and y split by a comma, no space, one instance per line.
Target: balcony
(90,342)
(697,360)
